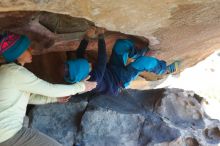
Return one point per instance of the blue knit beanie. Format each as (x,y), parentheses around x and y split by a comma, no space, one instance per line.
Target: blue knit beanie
(78,70)
(13,45)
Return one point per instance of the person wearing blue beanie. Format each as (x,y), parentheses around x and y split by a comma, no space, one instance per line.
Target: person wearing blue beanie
(20,87)
(115,74)
(13,45)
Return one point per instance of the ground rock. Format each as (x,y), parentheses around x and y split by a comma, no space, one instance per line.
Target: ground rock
(134,118)
(60,121)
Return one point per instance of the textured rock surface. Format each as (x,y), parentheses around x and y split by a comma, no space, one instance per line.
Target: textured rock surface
(107,127)
(135,118)
(60,121)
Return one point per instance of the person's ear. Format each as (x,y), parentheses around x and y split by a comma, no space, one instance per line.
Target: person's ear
(2,60)
(90,67)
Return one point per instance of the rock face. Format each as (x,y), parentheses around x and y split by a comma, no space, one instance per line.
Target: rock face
(50,32)
(186,30)
(134,118)
(59,121)
(107,127)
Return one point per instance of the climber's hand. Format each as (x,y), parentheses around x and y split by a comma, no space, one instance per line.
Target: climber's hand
(89,84)
(100,30)
(91,33)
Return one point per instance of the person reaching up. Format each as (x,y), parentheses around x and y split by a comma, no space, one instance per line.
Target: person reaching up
(116,74)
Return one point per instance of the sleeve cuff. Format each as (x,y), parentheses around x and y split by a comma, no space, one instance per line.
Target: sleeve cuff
(53,100)
(82,86)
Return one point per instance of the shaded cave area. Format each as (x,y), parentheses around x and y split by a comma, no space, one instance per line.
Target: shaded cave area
(52,34)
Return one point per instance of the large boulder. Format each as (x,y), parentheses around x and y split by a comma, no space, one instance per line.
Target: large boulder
(153,117)
(60,121)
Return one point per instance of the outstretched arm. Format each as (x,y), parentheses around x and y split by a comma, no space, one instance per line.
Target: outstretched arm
(100,66)
(37,99)
(80,50)
(40,99)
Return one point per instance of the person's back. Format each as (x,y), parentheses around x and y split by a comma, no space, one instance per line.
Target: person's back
(10,98)
(108,84)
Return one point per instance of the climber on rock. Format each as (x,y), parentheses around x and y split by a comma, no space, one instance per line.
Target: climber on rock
(116,74)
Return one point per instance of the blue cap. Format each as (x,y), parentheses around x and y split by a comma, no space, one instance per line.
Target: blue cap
(78,70)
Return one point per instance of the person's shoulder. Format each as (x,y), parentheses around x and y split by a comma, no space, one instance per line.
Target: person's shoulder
(8,70)
(14,68)
(11,67)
